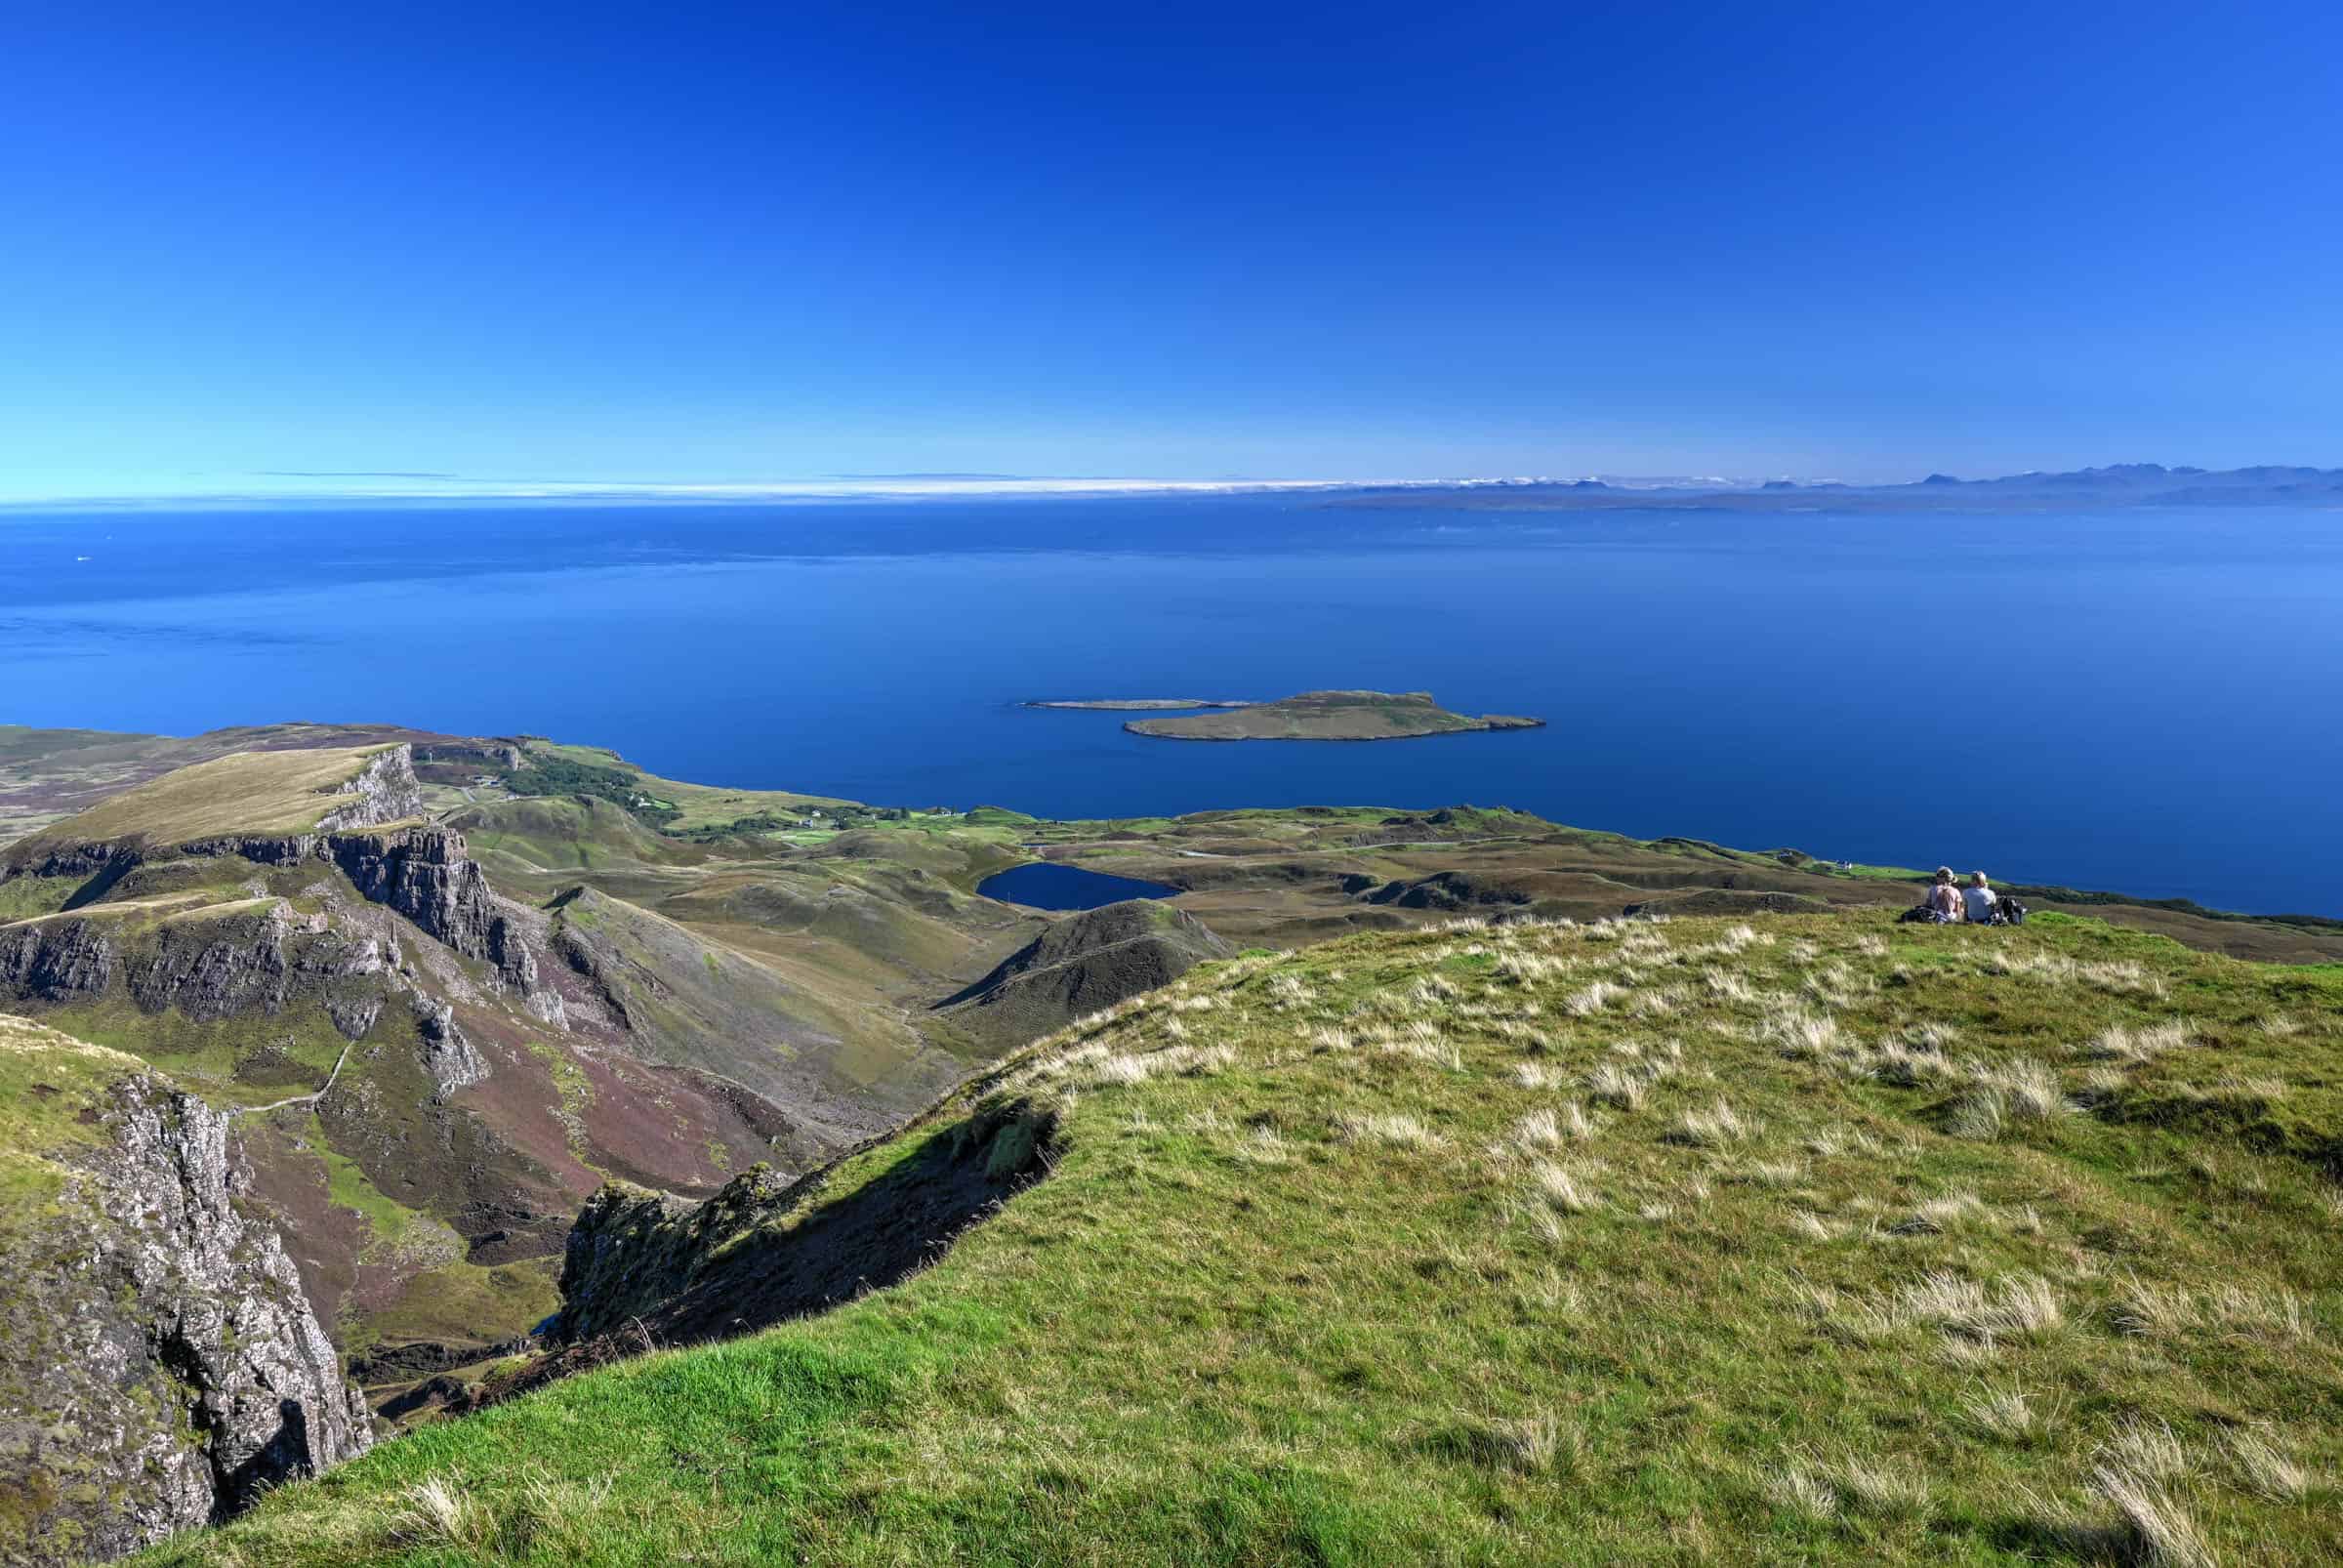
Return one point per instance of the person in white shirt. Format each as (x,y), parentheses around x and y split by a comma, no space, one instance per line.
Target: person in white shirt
(1980,899)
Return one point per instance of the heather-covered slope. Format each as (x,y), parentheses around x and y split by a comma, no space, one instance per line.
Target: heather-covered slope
(1810,1238)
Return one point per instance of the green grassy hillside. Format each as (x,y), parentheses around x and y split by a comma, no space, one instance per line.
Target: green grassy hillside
(1819,1239)
(245,792)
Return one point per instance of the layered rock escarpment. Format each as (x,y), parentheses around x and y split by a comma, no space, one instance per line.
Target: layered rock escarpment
(160,1365)
(216,962)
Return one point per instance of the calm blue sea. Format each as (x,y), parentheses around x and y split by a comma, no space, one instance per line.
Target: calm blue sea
(2146,701)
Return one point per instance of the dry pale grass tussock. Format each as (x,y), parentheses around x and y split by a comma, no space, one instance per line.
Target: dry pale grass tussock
(1830,1143)
(2153,1310)
(434,1511)
(1980,1114)
(2151,1529)
(1391,1130)
(1771,1174)
(2263,1465)
(1262,1145)
(1938,1215)
(1802,1491)
(1900,1065)
(1550,1128)
(1617,1085)
(1420,1042)
(2030,1091)
(1289,991)
(1237,970)
(1858,1484)
(1203,1061)
(2118,977)
(1592,1000)
(1726,986)
(1558,1190)
(1812,1227)
(1125,1068)
(2146,1449)
(1536,1076)
(1876,1487)
(2006,1415)
(1834,985)
(2133,1047)
(1430,993)
(1657,1003)
(1522,1032)
(1531,968)
(1708,1129)
(2017,1306)
(1802,1035)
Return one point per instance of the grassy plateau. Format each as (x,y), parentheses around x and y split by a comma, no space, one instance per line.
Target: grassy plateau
(1809,1238)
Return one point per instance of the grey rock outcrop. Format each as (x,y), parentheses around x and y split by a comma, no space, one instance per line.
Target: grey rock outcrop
(448,1055)
(214,966)
(424,875)
(54,959)
(385,790)
(161,1364)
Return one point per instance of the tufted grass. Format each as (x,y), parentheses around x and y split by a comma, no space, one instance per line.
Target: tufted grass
(1429,1264)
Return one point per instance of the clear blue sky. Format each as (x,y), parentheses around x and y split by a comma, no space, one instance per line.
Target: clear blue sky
(709,243)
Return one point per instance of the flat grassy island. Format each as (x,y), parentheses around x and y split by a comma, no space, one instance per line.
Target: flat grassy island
(1331,716)
(1139,704)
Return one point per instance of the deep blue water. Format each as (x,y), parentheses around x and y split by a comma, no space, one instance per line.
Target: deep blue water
(1046,885)
(2145,700)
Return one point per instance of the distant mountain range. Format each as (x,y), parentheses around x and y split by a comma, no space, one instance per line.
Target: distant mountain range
(2123,485)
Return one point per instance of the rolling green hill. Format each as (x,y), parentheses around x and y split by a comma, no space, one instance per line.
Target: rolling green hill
(1816,1238)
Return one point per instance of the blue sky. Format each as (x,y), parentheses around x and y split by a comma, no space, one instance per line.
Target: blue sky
(242,246)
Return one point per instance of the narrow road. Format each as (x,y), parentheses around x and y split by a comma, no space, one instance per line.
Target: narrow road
(301,1100)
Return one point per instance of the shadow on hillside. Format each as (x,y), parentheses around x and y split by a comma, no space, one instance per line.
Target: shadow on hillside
(831,1253)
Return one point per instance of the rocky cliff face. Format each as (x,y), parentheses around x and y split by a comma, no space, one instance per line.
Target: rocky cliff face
(448,1055)
(52,960)
(424,874)
(385,790)
(160,1364)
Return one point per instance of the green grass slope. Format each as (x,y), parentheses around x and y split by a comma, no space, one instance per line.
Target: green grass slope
(1822,1240)
(691,1002)
(279,792)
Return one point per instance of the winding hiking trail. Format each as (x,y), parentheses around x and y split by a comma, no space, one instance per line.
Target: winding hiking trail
(311,1098)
